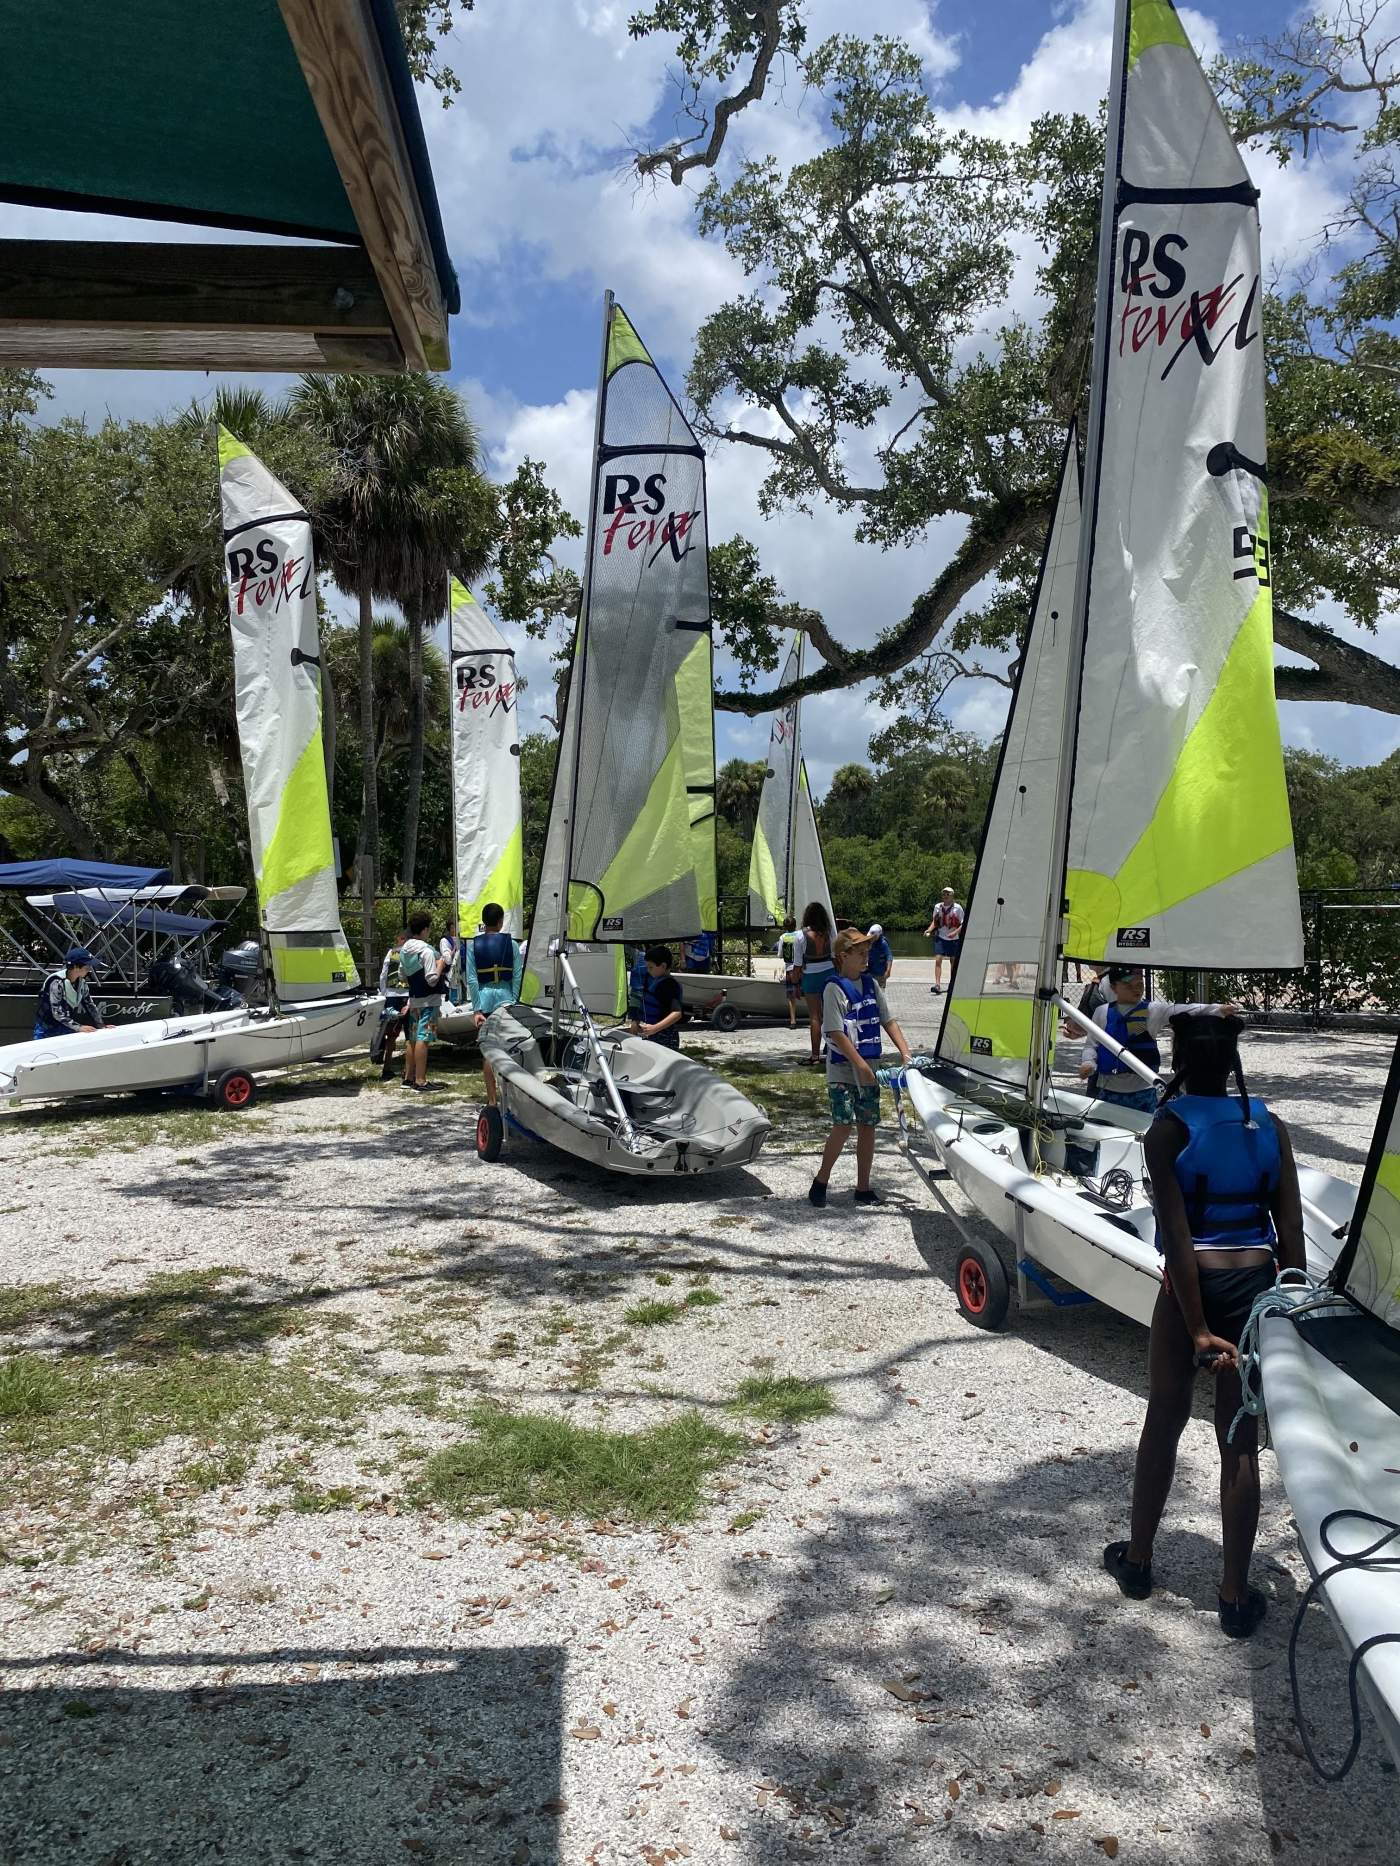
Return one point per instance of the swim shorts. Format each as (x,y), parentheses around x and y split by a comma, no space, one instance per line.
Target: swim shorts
(1227,1296)
(418,1023)
(852,1106)
(944,947)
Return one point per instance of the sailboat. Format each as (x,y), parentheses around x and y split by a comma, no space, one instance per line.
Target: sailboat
(786,870)
(629,851)
(317,1007)
(1329,1362)
(1139,813)
(487,840)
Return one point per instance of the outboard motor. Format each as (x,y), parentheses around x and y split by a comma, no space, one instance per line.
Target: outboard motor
(240,967)
(187,991)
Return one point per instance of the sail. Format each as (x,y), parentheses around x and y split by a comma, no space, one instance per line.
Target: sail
(987,1017)
(277,690)
(1368,1269)
(786,869)
(1180,845)
(488,846)
(770,862)
(631,828)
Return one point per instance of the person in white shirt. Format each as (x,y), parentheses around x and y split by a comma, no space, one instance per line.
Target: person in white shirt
(1137,1023)
(945,928)
(421,970)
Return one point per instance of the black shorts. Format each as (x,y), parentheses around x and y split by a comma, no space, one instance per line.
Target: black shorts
(1227,1296)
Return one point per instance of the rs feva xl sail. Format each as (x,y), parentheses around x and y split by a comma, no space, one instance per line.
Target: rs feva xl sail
(276,669)
(1180,846)
(488,848)
(630,848)
(786,870)
(987,1020)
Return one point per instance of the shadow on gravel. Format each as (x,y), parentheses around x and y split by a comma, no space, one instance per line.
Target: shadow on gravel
(455,1757)
(972,1638)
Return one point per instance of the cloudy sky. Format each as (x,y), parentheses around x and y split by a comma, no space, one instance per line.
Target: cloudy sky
(541,216)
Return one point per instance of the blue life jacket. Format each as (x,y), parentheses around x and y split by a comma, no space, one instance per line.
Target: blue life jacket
(862,1020)
(661,996)
(637,978)
(1130,1029)
(1228,1172)
(697,959)
(494,954)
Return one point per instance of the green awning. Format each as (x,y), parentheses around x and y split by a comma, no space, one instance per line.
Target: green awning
(169,109)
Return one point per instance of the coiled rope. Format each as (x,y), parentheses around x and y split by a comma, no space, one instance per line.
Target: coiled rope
(1370,1561)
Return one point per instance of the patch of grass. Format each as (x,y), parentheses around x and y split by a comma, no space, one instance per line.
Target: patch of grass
(212,1473)
(525,1461)
(653,1313)
(23,1304)
(703,1299)
(665,1279)
(783,1398)
(314,1500)
(744,1520)
(30,1388)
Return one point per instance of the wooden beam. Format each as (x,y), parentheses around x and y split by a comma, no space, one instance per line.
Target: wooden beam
(133,346)
(110,284)
(339,53)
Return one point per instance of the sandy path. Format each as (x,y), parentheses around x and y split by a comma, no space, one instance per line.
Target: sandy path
(887,1636)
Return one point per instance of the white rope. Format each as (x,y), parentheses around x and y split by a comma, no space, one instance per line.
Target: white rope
(1294,1293)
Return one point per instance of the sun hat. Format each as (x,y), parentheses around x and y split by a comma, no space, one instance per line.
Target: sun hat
(847,942)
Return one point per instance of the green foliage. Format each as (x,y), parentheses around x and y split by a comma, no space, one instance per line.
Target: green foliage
(527,1461)
(784,1398)
(423,24)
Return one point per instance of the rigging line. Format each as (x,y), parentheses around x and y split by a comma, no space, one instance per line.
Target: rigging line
(1369,1560)
(273,518)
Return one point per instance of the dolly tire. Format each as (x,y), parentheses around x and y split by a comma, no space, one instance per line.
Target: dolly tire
(235,1089)
(725,1019)
(983,1293)
(490,1134)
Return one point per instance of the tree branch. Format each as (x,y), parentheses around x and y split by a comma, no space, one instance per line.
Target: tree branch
(978,555)
(1343,672)
(678,157)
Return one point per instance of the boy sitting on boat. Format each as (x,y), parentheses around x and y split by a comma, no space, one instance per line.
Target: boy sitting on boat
(1136,1022)
(65,1007)
(854,1014)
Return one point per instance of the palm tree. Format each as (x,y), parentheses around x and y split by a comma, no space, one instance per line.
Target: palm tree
(408,507)
(737,791)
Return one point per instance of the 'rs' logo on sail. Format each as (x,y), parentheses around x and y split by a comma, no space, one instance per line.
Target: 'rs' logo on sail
(644,524)
(1182,314)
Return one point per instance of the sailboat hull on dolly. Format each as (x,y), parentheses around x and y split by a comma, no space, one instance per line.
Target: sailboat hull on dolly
(685,1118)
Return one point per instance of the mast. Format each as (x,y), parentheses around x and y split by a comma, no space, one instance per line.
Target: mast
(574,701)
(1047,978)
(794,779)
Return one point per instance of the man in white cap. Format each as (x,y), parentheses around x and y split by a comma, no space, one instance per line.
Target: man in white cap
(880,964)
(946,930)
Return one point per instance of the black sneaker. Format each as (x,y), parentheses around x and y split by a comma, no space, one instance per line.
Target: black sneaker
(1239,1619)
(1134,1578)
(869,1197)
(816,1193)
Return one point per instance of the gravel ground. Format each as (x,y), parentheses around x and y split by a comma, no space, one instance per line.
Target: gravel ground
(887,1634)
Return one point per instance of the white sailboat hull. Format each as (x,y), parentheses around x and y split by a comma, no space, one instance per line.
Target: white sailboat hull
(687,1119)
(722,999)
(1336,1445)
(182,1052)
(1052,1218)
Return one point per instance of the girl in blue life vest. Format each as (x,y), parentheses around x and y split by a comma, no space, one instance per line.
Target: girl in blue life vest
(1228,1215)
(854,1015)
(494,965)
(814,956)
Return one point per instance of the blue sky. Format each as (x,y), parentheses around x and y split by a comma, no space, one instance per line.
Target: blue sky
(541,216)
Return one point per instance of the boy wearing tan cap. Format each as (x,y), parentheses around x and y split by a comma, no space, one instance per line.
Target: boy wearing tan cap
(854,1013)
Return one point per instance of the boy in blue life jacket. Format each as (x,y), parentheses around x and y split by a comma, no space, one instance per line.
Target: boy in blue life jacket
(494,964)
(854,1013)
(662,1004)
(1138,1023)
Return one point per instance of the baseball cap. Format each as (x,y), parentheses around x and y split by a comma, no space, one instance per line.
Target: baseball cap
(847,941)
(1117,973)
(876,931)
(79,955)
(945,890)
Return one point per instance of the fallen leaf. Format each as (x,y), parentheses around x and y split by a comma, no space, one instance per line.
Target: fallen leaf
(435,1554)
(906,1695)
(1205,1729)
(585,1732)
(1108,1843)
(1052,1788)
(556,1806)
(1065,1814)
(1037,1827)
(729,1833)
(954,1790)
(683,1708)
(610,1710)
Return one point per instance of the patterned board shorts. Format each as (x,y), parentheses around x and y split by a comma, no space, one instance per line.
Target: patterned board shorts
(418,1024)
(852,1106)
